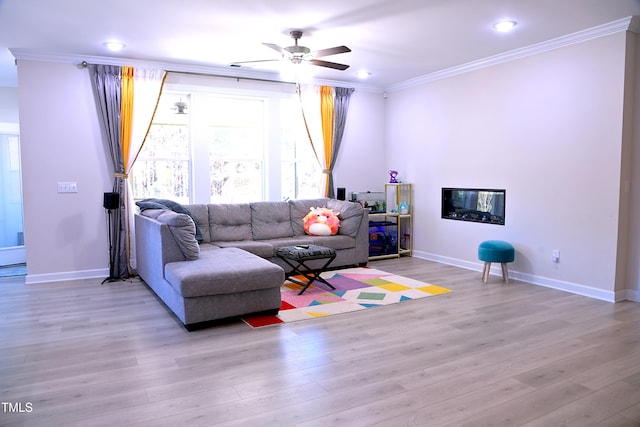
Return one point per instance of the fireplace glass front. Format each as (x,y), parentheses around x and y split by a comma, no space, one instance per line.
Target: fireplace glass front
(474,204)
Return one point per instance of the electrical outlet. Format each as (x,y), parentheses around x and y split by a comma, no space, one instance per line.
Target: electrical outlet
(67,187)
(555,255)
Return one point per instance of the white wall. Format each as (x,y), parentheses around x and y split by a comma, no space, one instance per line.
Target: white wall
(361,165)
(65,234)
(548,128)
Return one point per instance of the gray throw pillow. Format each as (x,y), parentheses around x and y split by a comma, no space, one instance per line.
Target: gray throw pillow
(170,205)
(351,216)
(182,229)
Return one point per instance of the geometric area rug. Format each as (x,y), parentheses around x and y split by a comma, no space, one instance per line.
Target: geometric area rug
(357,288)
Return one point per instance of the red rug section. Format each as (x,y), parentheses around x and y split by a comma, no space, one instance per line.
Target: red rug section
(258,321)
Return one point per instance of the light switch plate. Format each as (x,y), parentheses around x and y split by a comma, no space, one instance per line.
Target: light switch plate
(67,187)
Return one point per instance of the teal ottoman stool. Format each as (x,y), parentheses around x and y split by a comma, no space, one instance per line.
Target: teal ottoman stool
(496,251)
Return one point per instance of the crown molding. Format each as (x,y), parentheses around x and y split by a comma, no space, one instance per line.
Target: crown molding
(625,24)
(240,73)
(634,26)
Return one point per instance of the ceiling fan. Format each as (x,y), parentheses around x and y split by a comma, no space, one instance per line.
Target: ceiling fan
(297,54)
(180,107)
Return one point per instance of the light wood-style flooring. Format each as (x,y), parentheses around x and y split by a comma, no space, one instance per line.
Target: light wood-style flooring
(84,354)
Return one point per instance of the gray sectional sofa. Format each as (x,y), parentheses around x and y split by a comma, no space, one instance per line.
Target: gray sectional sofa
(233,270)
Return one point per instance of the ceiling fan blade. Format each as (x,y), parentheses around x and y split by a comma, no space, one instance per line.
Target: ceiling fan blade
(328,64)
(331,51)
(276,48)
(237,64)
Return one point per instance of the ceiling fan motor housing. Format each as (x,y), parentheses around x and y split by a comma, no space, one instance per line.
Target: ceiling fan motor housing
(298,52)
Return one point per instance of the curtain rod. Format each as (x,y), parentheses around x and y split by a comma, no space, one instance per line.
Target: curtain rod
(238,78)
(85,64)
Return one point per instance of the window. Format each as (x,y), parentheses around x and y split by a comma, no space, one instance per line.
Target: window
(162,168)
(226,146)
(236,149)
(300,177)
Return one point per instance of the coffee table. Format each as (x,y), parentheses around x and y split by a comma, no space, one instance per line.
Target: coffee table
(297,257)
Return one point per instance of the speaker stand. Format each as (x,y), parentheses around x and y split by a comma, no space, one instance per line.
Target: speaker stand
(111,254)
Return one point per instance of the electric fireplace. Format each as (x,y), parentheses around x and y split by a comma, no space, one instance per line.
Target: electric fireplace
(474,204)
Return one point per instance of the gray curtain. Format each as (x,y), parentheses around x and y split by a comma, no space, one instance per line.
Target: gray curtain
(340,107)
(106,81)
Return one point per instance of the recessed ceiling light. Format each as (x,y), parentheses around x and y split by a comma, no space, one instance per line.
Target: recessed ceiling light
(114,46)
(505,26)
(363,74)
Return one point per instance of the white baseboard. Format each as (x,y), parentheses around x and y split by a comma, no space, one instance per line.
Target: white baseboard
(547,282)
(67,275)
(12,255)
(573,288)
(631,295)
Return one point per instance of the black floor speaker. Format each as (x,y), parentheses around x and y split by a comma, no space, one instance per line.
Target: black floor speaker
(111,201)
(342,193)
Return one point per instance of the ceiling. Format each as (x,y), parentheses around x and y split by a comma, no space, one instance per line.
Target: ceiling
(395,41)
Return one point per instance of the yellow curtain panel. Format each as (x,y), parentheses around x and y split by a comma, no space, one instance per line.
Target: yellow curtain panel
(126,113)
(326,110)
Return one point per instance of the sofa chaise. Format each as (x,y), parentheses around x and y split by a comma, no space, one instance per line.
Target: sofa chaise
(233,269)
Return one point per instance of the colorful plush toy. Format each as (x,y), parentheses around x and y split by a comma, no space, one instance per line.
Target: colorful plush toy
(321,222)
